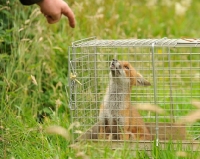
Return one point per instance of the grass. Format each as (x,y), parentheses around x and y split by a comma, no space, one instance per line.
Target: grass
(30,46)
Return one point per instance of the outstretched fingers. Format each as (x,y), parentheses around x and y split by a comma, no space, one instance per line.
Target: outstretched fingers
(66,10)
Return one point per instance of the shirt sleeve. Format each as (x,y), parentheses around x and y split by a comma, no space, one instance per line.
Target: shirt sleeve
(29,2)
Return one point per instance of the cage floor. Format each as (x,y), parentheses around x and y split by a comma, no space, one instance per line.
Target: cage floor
(172,133)
(167,131)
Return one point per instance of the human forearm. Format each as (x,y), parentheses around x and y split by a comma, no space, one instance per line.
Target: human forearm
(29,2)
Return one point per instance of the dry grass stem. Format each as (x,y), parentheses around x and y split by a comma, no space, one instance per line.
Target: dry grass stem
(149,107)
(196,103)
(82,155)
(181,154)
(58,130)
(78,132)
(75,124)
(191,117)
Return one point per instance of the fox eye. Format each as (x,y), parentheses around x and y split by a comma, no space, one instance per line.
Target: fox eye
(126,67)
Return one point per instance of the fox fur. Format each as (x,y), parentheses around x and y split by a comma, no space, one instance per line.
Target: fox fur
(118,118)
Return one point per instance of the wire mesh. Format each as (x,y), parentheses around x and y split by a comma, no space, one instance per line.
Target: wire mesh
(172,66)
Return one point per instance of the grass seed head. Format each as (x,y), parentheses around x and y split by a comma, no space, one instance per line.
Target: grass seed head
(34,80)
(58,130)
(181,154)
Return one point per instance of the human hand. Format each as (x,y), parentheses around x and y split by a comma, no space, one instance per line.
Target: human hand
(53,10)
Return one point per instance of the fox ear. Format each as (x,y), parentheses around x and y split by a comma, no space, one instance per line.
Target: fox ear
(140,81)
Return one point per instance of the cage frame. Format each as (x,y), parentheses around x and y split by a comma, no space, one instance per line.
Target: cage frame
(150,43)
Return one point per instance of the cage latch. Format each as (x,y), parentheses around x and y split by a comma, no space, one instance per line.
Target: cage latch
(73,77)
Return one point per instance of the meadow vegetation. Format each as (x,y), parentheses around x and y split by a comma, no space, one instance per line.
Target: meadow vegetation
(34,69)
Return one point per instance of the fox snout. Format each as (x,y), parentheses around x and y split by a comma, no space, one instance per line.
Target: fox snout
(124,70)
(114,65)
(115,68)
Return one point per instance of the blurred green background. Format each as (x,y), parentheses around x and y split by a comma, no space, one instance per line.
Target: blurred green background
(34,64)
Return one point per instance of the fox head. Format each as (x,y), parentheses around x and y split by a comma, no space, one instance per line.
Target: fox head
(123,71)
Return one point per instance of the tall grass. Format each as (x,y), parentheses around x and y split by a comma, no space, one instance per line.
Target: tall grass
(34,64)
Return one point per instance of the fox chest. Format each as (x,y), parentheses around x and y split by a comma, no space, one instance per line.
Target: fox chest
(112,106)
(115,100)
(113,103)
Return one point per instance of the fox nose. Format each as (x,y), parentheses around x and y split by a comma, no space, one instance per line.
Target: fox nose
(114,62)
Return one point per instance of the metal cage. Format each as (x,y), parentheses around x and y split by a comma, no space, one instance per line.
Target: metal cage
(171,65)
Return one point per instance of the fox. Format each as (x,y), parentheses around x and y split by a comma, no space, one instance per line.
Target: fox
(118,119)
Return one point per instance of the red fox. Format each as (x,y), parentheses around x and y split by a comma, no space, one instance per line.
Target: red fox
(117,116)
